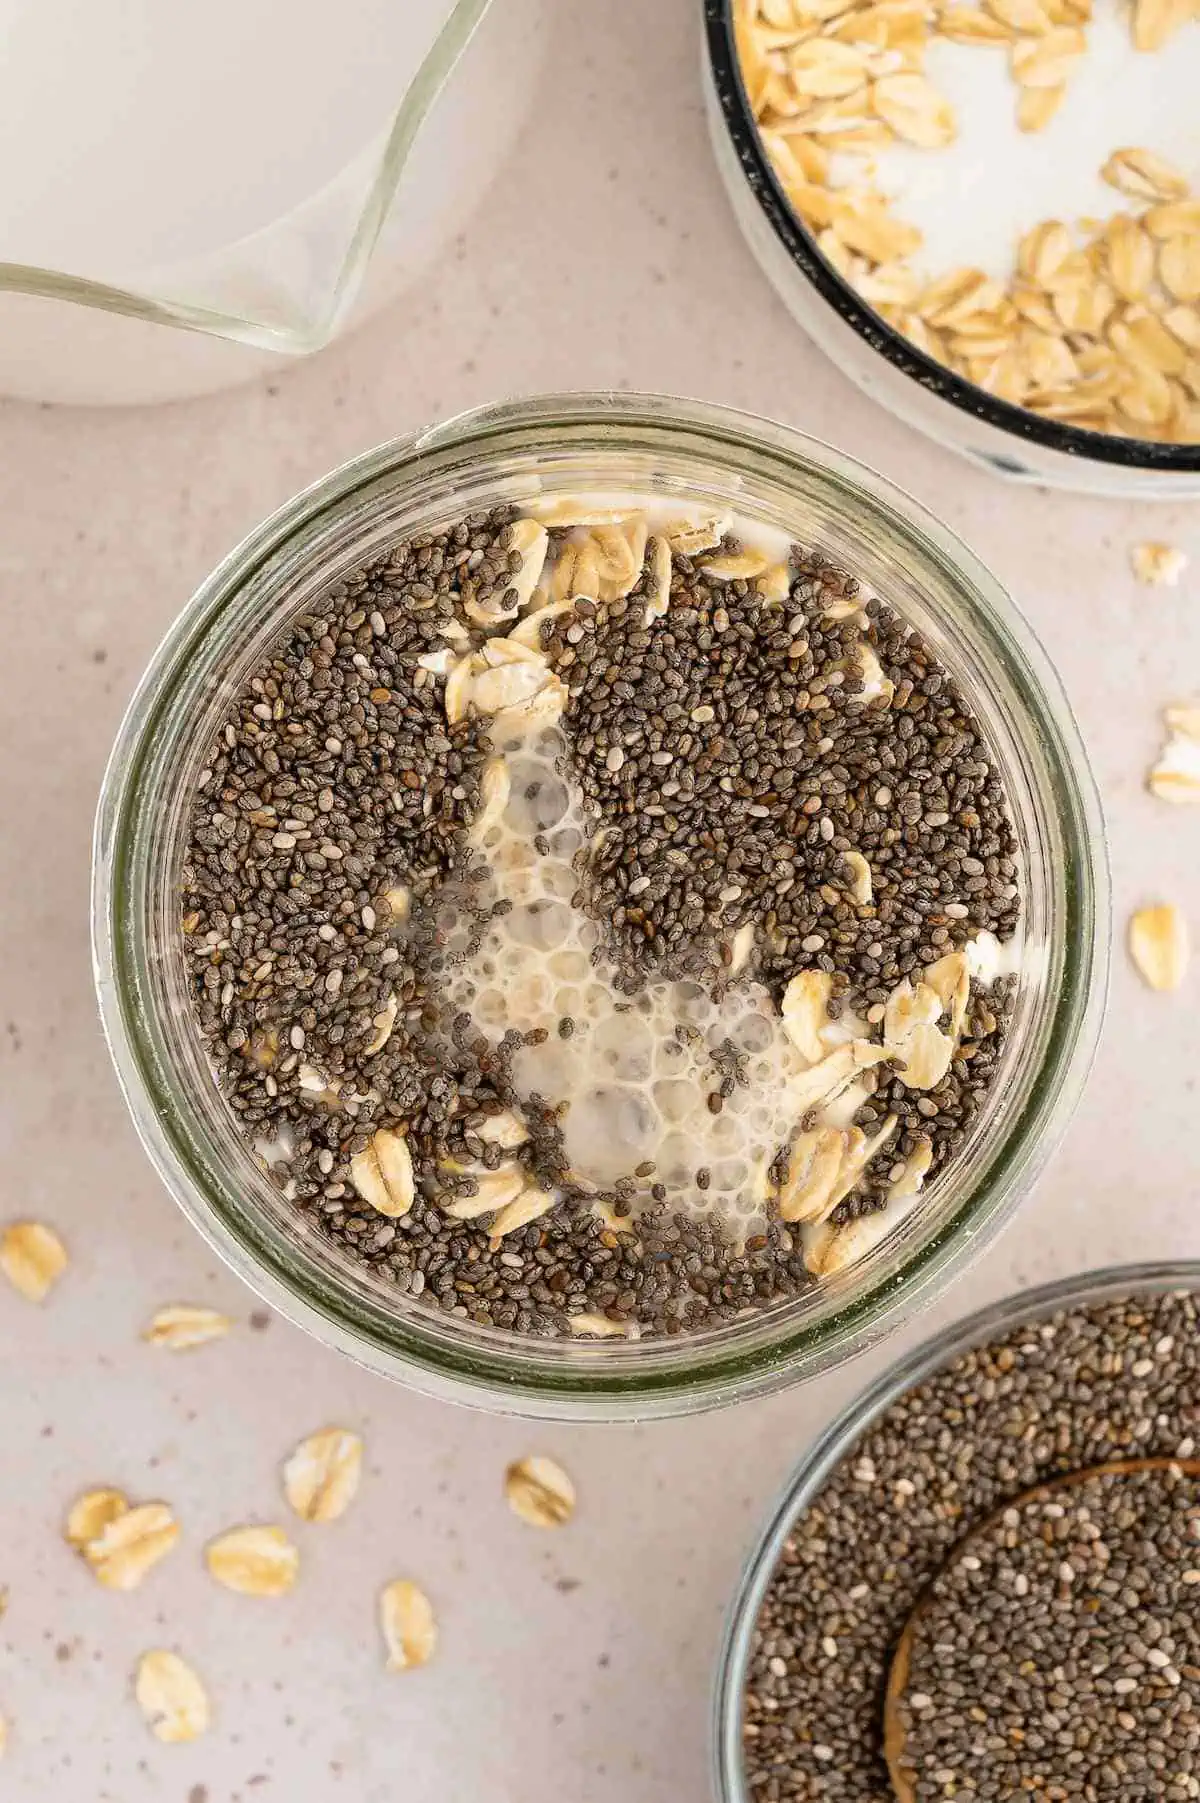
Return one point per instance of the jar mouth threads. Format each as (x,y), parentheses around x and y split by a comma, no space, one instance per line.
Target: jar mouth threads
(680,450)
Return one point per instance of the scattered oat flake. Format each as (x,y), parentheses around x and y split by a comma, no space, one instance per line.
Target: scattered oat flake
(1154,21)
(914,110)
(321,1477)
(530,1205)
(860,873)
(736,566)
(130,1544)
(968,25)
(1174,219)
(1158,564)
(863,223)
(540,1492)
(597,1327)
(1158,945)
(382,1173)
(1176,775)
(180,1326)
(171,1696)
(408,1623)
(569,511)
(814,1160)
(1144,175)
(1022,16)
(33,1258)
(775,583)
(1044,250)
(824,69)
(90,1514)
(1130,257)
(1046,61)
(704,534)
(804,1007)
(1179,267)
(1184,717)
(1037,106)
(256,1561)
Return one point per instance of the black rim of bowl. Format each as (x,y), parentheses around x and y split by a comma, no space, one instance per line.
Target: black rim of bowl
(1021,424)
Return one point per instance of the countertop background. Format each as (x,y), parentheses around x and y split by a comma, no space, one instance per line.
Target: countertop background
(574,1665)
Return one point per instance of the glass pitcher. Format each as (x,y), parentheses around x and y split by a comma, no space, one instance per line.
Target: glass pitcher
(191,193)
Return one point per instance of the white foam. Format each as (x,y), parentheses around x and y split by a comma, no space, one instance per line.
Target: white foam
(637,1072)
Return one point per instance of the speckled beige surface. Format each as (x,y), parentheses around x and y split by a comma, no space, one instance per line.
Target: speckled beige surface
(575,1665)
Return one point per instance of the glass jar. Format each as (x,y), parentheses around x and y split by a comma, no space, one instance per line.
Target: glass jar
(563,444)
(826,1454)
(1008,440)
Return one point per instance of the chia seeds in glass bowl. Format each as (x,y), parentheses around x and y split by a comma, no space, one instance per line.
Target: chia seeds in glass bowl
(610,930)
(1057,1652)
(930,1485)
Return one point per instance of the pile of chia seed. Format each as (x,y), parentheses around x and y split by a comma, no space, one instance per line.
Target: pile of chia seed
(733,759)
(1058,1653)
(732,756)
(1115,1381)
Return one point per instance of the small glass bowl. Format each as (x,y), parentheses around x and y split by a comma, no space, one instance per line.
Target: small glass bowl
(1010,440)
(710,458)
(825,1455)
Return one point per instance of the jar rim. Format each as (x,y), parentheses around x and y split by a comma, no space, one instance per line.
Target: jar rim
(817,1464)
(1123,452)
(667,1377)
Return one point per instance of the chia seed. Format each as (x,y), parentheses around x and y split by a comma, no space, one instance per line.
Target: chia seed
(1052,1396)
(1058,1651)
(732,759)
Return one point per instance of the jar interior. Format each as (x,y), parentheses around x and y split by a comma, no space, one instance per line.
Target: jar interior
(929,580)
